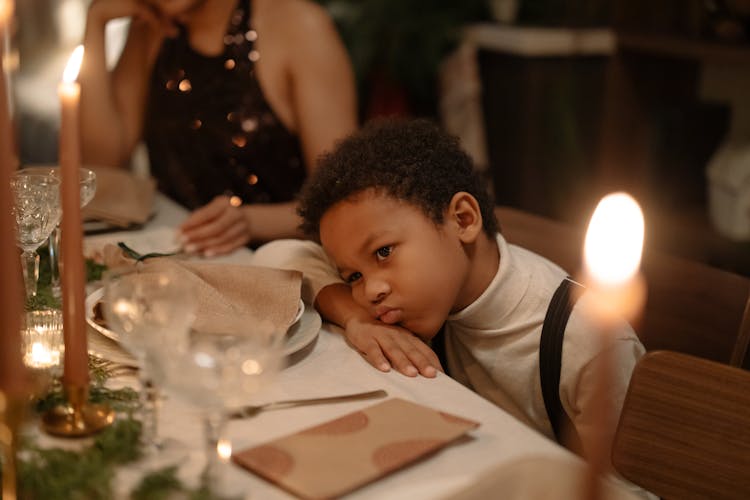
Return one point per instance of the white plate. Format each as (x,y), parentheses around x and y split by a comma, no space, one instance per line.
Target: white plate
(143,242)
(303,331)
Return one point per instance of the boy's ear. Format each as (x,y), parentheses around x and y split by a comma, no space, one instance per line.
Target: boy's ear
(464,211)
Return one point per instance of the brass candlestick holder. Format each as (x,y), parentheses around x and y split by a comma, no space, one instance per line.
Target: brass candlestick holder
(78,417)
(11,415)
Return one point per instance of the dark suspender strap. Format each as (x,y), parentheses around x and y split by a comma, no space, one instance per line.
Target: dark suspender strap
(550,352)
(438,346)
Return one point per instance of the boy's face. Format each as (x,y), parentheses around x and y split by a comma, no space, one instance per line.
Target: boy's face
(402,267)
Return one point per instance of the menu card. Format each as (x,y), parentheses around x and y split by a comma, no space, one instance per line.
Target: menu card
(341,455)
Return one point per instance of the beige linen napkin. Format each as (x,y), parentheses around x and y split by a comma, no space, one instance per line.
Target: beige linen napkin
(339,456)
(121,198)
(229,298)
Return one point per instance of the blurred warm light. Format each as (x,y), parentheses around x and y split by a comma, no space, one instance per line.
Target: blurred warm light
(6,12)
(224,449)
(71,20)
(614,240)
(74,65)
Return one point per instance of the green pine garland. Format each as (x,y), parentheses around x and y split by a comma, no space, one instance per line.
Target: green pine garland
(59,474)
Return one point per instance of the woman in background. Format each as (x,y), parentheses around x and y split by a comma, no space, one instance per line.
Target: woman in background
(235,99)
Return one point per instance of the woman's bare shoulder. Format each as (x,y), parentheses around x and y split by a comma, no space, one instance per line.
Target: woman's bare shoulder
(294,17)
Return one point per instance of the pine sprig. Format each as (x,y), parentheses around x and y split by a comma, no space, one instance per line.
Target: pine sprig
(158,485)
(125,399)
(163,484)
(55,473)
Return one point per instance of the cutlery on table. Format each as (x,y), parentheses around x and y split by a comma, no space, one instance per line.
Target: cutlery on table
(251,410)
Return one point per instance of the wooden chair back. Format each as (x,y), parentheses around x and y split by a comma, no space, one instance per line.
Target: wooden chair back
(691,307)
(684,430)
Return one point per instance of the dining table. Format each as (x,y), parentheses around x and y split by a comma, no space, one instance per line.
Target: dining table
(325,365)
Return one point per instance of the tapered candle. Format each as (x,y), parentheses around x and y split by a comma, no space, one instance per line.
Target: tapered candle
(73,271)
(612,257)
(12,371)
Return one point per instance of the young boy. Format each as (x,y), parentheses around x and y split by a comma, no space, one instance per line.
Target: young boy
(410,229)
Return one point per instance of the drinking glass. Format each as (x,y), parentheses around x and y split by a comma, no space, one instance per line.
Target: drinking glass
(87,180)
(151,311)
(36,207)
(218,372)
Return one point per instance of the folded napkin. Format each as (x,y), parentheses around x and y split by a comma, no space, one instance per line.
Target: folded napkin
(121,198)
(339,456)
(229,298)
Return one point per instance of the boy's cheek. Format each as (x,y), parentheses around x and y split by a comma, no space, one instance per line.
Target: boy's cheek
(360,300)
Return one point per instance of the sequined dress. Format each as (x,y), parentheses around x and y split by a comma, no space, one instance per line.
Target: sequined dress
(209,129)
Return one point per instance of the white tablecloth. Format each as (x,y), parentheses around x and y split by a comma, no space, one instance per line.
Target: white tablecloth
(329,367)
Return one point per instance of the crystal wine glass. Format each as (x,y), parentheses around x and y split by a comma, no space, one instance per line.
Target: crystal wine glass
(36,207)
(87,180)
(218,372)
(151,311)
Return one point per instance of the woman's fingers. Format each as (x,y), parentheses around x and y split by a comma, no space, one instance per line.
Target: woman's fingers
(206,213)
(225,242)
(216,228)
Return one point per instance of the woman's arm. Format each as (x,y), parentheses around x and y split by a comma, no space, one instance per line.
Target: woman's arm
(112,104)
(322,83)
(303,53)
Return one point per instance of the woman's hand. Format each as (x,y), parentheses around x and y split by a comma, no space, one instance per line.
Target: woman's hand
(385,346)
(217,228)
(141,11)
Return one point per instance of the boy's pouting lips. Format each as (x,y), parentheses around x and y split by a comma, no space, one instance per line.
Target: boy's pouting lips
(402,267)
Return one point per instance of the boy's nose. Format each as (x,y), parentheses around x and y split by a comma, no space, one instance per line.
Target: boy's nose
(376,290)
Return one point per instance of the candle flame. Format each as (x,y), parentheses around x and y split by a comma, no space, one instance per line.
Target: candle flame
(74,65)
(614,240)
(224,449)
(41,356)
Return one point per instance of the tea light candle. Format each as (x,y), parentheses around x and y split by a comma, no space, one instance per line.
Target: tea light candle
(43,340)
(612,257)
(76,371)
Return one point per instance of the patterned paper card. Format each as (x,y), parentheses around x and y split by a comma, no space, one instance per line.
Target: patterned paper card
(336,457)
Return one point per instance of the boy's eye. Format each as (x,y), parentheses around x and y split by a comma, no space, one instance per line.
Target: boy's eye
(383,252)
(353,277)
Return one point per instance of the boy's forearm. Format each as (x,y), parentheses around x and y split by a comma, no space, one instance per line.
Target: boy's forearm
(335,303)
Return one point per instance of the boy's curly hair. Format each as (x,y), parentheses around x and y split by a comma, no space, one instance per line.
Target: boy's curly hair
(413,161)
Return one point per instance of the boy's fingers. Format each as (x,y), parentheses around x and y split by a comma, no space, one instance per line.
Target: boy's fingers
(396,353)
(418,354)
(375,357)
(431,359)
(425,366)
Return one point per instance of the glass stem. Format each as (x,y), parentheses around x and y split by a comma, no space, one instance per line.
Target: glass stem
(214,424)
(150,402)
(30,262)
(54,262)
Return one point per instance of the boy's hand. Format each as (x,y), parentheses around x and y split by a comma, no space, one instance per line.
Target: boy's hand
(385,346)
